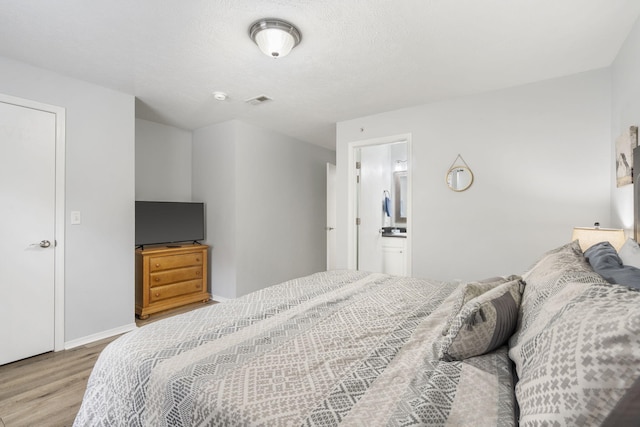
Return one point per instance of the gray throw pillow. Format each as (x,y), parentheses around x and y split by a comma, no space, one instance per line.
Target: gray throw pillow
(604,259)
(471,290)
(484,323)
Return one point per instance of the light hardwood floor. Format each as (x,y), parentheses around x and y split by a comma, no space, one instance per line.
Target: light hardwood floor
(47,390)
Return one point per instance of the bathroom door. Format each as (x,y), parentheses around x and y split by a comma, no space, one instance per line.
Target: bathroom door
(375,179)
(331,216)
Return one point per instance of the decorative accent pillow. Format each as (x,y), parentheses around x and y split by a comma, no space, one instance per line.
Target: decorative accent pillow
(484,323)
(471,290)
(604,259)
(580,366)
(629,253)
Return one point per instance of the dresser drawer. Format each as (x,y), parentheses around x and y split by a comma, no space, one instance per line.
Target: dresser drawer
(160,293)
(168,262)
(177,275)
(170,277)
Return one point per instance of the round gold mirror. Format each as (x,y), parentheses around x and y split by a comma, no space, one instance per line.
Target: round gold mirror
(459,178)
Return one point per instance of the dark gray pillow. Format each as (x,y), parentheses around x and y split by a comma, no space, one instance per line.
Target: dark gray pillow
(627,410)
(604,259)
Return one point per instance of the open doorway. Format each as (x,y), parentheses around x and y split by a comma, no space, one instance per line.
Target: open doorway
(380,195)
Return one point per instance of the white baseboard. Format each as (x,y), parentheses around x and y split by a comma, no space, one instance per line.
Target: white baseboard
(99,336)
(219,298)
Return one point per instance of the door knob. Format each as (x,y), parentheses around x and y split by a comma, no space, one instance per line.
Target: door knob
(42,244)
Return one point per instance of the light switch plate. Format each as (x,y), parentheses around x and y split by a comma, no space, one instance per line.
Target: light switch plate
(75,218)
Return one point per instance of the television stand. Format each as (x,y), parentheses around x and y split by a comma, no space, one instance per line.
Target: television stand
(169,277)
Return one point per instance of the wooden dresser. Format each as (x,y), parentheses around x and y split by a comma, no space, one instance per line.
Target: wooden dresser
(168,277)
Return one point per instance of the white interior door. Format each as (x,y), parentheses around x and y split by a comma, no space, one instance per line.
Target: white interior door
(375,179)
(27,230)
(331,216)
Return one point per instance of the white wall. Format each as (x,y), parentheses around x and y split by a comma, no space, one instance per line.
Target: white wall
(625,72)
(542,163)
(99,268)
(266,205)
(281,208)
(214,182)
(163,162)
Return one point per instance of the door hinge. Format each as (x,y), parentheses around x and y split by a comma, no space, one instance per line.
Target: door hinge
(357,221)
(357,179)
(358,165)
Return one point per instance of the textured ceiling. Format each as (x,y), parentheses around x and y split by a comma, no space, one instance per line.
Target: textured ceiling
(357,57)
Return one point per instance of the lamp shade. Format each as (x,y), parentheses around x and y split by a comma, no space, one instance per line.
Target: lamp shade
(589,236)
(274,37)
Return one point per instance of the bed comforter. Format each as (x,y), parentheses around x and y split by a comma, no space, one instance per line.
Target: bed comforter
(339,347)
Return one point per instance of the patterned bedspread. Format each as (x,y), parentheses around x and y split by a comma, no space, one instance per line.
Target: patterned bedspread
(340,347)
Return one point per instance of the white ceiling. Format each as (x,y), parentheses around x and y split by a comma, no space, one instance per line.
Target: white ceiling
(357,57)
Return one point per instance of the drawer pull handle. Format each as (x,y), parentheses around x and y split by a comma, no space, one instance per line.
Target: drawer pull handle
(157,294)
(197,273)
(157,265)
(197,259)
(157,279)
(198,286)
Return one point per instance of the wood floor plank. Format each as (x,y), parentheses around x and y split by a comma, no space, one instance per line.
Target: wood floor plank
(58,408)
(47,390)
(41,372)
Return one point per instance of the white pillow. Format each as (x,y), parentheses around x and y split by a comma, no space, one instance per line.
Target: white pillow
(629,253)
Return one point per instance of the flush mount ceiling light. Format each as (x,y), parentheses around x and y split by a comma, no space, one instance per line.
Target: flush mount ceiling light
(274,37)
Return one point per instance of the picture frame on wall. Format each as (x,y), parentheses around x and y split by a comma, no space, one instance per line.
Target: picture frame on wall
(625,145)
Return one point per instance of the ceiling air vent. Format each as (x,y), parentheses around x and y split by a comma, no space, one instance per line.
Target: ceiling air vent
(260,99)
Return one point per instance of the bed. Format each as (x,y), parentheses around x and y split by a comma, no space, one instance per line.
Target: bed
(557,345)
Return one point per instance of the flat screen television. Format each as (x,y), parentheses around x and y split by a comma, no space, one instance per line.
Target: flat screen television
(169,222)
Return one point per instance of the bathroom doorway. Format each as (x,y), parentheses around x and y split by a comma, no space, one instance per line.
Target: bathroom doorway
(381,206)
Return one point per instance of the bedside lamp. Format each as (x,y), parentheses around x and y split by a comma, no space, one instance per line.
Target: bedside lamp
(589,236)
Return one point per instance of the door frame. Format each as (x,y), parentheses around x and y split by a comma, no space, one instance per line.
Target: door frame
(59,211)
(352,230)
(330,229)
